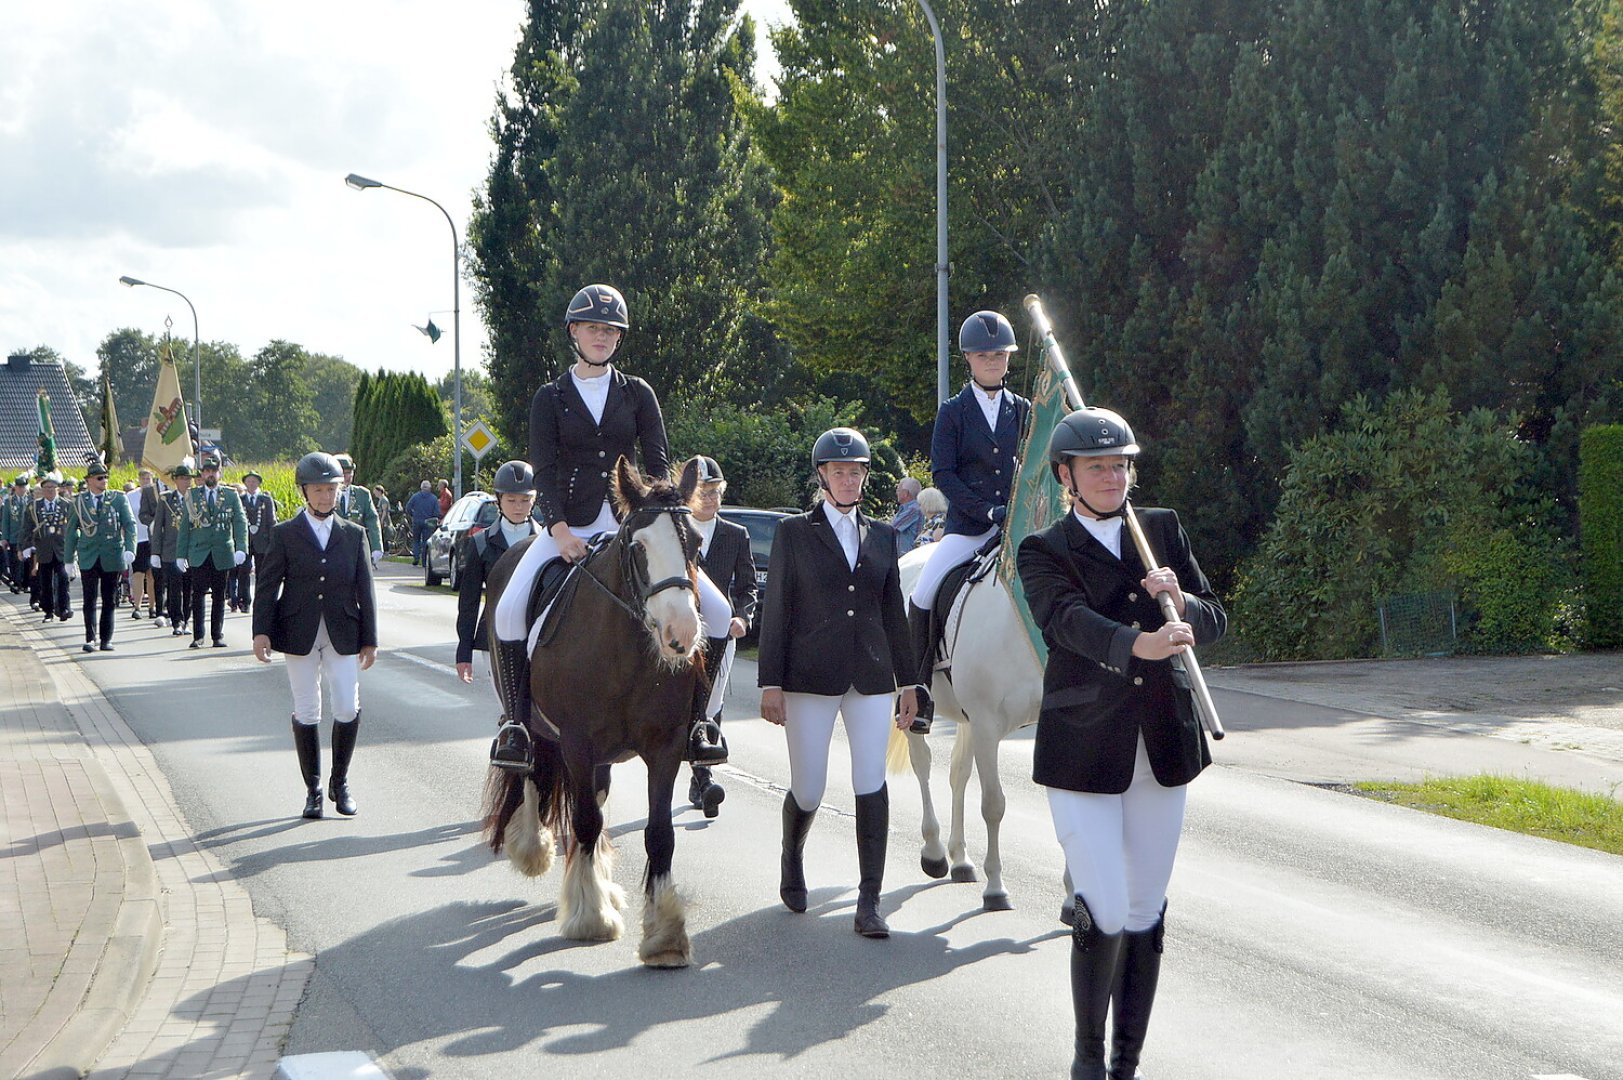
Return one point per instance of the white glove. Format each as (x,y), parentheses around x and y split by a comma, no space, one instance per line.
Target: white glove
(377,557)
(182,565)
(157,563)
(238,558)
(26,553)
(73,571)
(129,559)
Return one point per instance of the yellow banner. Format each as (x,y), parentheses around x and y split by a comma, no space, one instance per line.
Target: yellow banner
(168,436)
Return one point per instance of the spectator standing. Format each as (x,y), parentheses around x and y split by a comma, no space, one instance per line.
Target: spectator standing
(908,514)
(422,508)
(933,505)
(446,499)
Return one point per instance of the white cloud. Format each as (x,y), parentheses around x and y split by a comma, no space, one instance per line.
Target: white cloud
(203,146)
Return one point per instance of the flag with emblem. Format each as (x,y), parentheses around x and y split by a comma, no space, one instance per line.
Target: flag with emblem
(111,451)
(45,460)
(168,438)
(1037,500)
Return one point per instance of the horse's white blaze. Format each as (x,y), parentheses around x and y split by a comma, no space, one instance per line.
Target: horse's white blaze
(665,941)
(529,843)
(996,689)
(672,613)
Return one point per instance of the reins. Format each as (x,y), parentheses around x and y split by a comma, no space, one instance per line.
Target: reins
(628,568)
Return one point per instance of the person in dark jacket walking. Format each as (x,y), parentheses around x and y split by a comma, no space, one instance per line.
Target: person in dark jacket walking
(315,604)
(515,497)
(725,557)
(1117,738)
(422,508)
(261,511)
(974,452)
(834,644)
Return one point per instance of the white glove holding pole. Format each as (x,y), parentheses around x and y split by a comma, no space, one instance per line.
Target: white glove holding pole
(73,571)
(27,553)
(238,558)
(129,559)
(182,565)
(157,563)
(377,557)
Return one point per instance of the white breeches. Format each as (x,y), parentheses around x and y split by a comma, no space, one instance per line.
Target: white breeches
(343,674)
(718,685)
(1119,848)
(715,612)
(945,553)
(809,726)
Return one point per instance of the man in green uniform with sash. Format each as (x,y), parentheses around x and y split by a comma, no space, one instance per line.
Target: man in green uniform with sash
(212,540)
(13,510)
(45,536)
(164,527)
(355,504)
(101,536)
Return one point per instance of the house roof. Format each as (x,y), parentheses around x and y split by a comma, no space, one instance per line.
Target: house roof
(21,380)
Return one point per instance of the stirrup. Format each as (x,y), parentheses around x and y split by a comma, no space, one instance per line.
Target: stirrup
(512,749)
(706,744)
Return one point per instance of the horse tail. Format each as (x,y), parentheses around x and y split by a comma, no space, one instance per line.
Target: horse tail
(898,759)
(504,792)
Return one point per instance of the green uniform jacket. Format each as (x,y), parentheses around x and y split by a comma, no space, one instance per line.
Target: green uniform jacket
(13,519)
(355,504)
(101,536)
(220,532)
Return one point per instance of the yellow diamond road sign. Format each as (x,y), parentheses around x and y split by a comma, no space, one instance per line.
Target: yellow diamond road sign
(478,439)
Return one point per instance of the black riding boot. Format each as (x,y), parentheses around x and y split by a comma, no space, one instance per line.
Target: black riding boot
(1094,959)
(307,741)
(873,831)
(918,625)
(1136,979)
(343,748)
(511,748)
(792,879)
(704,793)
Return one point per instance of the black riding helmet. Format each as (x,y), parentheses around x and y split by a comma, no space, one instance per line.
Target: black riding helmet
(515,478)
(1090,433)
(598,304)
(986,331)
(317,468)
(839,444)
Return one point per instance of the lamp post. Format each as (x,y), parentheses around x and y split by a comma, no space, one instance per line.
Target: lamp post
(941,269)
(197,363)
(361,183)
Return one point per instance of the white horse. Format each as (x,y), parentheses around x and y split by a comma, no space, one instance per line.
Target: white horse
(996,688)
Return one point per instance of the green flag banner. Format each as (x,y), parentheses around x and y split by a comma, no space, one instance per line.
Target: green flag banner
(1037,501)
(46,460)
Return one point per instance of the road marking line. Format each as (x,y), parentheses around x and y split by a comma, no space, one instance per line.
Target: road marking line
(1556,1076)
(432,665)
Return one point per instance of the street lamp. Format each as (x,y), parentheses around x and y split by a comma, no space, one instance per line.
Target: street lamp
(940,205)
(197,363)
(361,183)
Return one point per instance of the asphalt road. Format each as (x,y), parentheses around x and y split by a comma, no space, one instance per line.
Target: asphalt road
(1310,933)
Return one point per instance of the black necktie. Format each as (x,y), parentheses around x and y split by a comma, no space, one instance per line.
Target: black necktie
(95,507)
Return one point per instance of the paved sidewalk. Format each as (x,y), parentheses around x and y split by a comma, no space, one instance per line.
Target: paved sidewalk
(125,949)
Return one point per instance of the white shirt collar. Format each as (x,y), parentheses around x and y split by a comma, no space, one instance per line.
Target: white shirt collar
(1105,530)
(322,527)
(989,405)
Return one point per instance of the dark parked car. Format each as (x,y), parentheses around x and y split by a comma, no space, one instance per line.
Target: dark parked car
(475,509)
(762,526)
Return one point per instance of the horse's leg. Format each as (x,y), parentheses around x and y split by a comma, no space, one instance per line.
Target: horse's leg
(589,902)
(664,915)
(932,856)
(529,841)
(986,737)
(958,773)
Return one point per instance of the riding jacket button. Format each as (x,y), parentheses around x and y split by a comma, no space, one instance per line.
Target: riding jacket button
(850,588)
(852,614)
(602,453)
(1132,596)
(1138,680)
(603,474)
(319,596)
(1134,625)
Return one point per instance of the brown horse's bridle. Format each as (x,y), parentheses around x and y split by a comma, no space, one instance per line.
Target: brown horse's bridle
(633,572)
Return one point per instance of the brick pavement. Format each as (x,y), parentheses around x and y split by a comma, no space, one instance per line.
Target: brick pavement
(125,948)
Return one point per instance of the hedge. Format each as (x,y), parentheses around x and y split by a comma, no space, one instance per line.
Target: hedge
(1600,516)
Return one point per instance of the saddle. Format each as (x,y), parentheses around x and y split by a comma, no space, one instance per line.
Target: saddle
(553,592)
(947,613)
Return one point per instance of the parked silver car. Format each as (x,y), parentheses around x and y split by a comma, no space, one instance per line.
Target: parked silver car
(444,550)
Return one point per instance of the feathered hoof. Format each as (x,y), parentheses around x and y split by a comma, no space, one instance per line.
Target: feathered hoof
(597,924)
(589,905)
(964,872)
(529,844)
(665,941)
(936,868)
(996,902)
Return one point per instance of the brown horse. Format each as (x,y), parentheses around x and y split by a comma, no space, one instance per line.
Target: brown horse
(617,679)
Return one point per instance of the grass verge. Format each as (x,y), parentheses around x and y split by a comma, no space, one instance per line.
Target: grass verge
(1524,806)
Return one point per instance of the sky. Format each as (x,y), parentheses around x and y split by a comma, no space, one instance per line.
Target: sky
(203,146)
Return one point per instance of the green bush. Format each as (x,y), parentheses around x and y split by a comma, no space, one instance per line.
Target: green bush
(1600,515)
(1392,502)
(1511,587)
